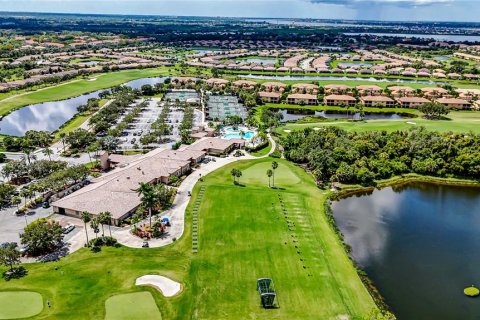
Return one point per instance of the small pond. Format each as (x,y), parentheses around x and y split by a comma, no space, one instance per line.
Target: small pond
(420,246)
(49,116)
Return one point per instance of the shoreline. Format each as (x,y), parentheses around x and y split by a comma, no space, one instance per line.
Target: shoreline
(396,181)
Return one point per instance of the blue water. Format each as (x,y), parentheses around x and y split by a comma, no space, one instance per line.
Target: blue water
(419,244)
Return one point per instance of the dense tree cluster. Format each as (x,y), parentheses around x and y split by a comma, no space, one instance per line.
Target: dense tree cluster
(333,154)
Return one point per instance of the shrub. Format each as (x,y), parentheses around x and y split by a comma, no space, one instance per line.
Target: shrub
(103,241)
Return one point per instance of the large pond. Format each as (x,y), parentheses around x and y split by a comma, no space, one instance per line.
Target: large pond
(50,116)
(420,245)
(297,114)
(336,78)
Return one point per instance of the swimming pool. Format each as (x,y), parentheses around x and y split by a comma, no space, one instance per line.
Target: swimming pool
(232,133)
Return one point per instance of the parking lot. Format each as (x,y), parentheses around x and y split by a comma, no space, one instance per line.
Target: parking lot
(142,124)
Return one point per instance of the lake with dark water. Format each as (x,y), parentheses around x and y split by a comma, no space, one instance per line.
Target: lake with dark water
(420,245)
(49,116)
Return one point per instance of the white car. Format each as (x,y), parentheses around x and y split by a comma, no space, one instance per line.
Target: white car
(69,228)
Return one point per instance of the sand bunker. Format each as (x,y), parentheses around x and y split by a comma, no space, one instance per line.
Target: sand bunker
(168,287)
(287,131)
(92,79)
(409,122)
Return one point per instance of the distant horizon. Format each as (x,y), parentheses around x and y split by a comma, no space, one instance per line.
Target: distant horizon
(359,10)
(229,17)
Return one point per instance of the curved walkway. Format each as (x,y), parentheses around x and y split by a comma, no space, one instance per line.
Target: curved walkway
(177,213)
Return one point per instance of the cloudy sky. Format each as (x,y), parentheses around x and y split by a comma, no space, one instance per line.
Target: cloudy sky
(433,10)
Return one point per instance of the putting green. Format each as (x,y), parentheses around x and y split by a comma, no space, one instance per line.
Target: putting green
(257,174)
(20,304)
(131,306)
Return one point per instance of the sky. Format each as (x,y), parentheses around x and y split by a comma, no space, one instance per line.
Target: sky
(398,10)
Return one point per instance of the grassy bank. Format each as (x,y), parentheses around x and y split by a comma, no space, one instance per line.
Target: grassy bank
(244,233)
(81,86)
(459,121)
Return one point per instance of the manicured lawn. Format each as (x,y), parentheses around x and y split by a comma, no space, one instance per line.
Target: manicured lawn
(20,304)
(243,235)
(460,122)
(79,87)
(132,306)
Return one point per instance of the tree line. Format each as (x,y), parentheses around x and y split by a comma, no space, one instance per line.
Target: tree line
(333,154)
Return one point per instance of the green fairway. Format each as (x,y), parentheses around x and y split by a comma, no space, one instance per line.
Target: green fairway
(20,304)
(81,86)
(244,234)
(132,306)
(460,122)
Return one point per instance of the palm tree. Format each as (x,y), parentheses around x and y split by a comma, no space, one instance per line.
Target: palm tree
(148,198)
(86,218)
(238,174)
(63,137)
(233,172)
(94,226)
(101,221)
(274,167)
(269,175)
(16,201)
(26,193)
(48,152)
(107,216)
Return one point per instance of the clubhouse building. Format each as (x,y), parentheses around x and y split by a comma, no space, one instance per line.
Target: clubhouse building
(115,191)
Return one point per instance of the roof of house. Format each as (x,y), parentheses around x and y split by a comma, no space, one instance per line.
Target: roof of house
(452,101)
(413,100)
(302,96)
(268,94)
(376,99)
(339,97)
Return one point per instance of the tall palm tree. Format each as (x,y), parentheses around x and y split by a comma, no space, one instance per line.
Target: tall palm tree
(148,197)
(101,221)
(86,218)
(107,216)
(63,137)
(48,152)
(233,172)
(16,201)
(94,226)
(269,175)
(274,167)
(238,174)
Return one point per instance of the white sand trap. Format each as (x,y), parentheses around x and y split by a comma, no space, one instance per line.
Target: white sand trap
(92,79)
(410,122)
(167,286)
(287,131)
(316,128)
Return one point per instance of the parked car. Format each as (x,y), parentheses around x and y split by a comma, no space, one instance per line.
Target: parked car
(23,250)
(69,228)
(46,205)
(145,245)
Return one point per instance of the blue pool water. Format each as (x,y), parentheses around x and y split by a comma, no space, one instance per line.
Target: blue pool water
(231,133)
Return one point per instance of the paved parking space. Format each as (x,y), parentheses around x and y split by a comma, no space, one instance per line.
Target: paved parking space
(12,225)
(142,124)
